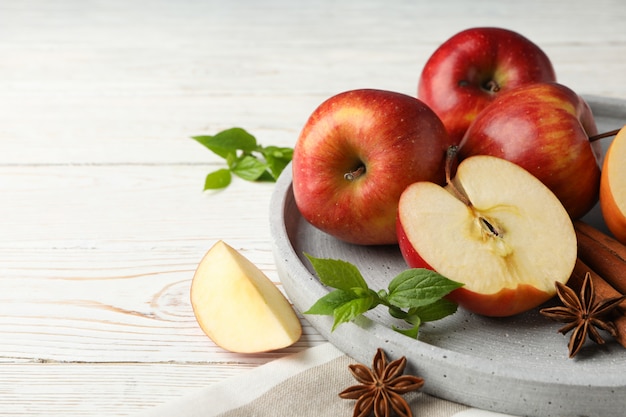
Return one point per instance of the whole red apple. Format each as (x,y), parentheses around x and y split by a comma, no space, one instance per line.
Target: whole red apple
(544,128)
(473,67)
(356,154)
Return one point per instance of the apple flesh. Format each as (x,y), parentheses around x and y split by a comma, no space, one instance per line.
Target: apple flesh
(470,69)
(506,237)
(544,128)
(613,187)
(356,154)
(238,307)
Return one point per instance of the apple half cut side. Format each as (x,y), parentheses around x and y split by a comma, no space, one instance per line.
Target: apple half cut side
(495,228)
(238,307)
(613,186)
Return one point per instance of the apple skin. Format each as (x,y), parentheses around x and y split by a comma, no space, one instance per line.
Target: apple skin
(396,138)
(505,303)
(544,128)
(612,186)
(470,69)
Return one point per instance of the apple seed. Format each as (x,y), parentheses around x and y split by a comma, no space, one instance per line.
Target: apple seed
(490,228)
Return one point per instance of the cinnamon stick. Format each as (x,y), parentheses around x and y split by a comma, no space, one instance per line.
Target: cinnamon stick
(620,325)
(603,291)
(603,254)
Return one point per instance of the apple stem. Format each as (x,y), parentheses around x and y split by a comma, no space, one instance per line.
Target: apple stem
(492,86)
(451,155)
(603,135)
(352,175)
(487,226)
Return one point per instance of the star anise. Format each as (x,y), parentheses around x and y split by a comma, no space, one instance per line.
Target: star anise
(381,388)
(583,314)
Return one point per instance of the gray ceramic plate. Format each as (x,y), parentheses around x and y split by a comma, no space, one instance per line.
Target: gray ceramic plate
(516,365)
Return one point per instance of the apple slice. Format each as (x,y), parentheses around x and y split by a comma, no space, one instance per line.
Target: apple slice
(613,186)
(238,307)
(495,228)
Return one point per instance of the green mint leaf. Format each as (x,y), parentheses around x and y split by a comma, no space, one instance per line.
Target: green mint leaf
(397,313)
(207,140)
(418,287)
(420,291)
(351,310)
(277,159)
(338,274)
(245,157)
(327,304)
(434,311)
(249,168)
(217,179)
(343,305)
(266,176)
(413,331)
(228,142)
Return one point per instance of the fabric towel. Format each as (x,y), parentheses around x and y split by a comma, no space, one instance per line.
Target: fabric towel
(302,384)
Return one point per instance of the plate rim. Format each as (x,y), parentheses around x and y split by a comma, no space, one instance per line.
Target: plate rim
(555,395)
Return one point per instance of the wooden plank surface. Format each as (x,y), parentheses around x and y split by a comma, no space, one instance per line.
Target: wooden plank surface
(102,215)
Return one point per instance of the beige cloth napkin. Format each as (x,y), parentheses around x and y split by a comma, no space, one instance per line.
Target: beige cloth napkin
(303,384)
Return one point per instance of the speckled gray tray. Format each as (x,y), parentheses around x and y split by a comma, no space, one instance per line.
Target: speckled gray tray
(516,365)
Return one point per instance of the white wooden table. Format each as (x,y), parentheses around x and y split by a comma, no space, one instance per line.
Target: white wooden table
(102,215)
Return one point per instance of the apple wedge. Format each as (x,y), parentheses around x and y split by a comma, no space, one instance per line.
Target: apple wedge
(613,187)
(238,307)
(495,228)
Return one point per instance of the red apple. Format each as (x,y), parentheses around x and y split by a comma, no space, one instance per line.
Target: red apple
(506,237)
(356,154)
(544,128)
(473,67)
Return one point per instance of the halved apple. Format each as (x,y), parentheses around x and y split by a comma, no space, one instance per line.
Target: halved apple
(613,186)
(237,305)
(495,228)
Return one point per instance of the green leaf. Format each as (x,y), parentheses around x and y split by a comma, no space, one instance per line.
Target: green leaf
(434,311)
(418,287)
(228,142)
(343,305)
(266,177)
(245,157)
(249,168)
(418,290)
(217,179)
(277,159)
(276,152)
(351,310)
(412,331)
(397,313)
(327,304)
(338,274)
